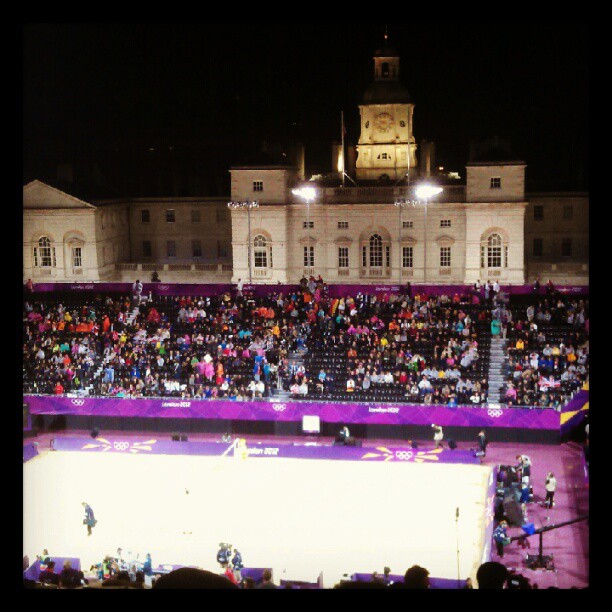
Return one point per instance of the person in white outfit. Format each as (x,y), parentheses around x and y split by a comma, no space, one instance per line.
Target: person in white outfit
(438,435)
(551,487)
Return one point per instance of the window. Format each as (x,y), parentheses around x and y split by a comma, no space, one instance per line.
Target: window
(407,254)
(407,224)
(257,185)
(538,247)
(568,211)
(170,216)
(221,250)
(260,252)
(77,257)
(343,257)
(342,224)
(308,224)
(171,248)
(145,216)
(364,257)
(308,256)
(495,182)
(376,260)
(388,256)
(195,215)
(146,248)
(445,257)
(538,213)
(445,222)
(566,247)
(494,251)
(196,248)
(44,254)
(385,70)
(384,156)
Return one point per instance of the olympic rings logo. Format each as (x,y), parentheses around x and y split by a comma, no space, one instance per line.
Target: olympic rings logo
(279,407)
(495,412)
(403,455)
(78,402)
(121,446)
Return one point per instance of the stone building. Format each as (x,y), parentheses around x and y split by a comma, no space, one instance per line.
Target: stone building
(371,229)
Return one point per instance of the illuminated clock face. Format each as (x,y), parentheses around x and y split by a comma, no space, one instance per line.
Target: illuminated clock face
(383,122)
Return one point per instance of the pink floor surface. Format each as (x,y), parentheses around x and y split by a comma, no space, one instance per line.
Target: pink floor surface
(569,545)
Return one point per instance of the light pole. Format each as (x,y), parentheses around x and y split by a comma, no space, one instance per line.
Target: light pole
(248,205)
(423,193)
(307,194)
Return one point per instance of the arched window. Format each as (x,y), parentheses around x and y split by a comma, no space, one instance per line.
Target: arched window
(494,251)
(44,254)
(376,251)
(260,251)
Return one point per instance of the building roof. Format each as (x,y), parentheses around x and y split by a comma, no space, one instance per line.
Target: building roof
(386,92)
(39,195)
(385,52)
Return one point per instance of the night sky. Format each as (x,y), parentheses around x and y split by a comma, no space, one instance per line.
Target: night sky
(145,110)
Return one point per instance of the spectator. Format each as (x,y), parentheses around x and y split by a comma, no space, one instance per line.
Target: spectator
(48,575)
(416,577)
(69,577)
(492,575)
(266,582)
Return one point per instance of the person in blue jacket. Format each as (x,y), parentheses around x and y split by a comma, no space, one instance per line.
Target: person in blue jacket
(237,564)
(89,519)
(147,566)
(500,536)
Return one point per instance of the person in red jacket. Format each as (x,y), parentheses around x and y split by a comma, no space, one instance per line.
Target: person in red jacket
(58,390)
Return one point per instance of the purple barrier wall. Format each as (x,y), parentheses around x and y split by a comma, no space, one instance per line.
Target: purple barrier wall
(435,583)
(144,446)
(375,414)
(30,451)
(334,290)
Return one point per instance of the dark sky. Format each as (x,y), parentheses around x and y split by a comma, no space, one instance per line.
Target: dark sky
(202,97)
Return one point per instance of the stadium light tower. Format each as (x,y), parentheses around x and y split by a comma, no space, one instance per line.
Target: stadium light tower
(423,194)
(248,205)
(308,194)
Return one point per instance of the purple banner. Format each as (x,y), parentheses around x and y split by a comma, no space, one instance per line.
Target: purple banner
(139,445)
(335,290)
(375,414)
(575,411)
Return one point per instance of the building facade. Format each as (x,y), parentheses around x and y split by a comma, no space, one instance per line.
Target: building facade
(378,230)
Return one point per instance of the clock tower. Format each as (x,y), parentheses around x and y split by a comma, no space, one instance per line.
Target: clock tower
(386,150)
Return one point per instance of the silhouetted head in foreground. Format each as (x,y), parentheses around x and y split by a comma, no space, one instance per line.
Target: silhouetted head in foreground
(416,577)
(492,575)
(192,578)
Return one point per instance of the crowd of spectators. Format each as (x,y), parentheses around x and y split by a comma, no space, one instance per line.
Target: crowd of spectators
(64,340)
(401,348)
(548,351)
(412,349)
